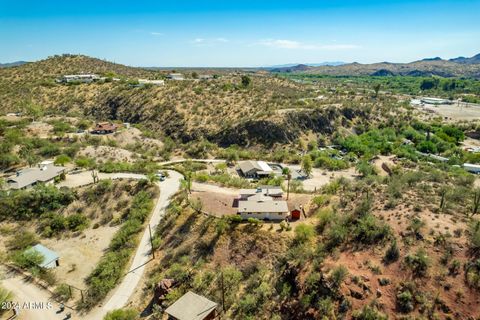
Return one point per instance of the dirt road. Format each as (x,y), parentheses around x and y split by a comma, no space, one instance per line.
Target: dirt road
(26,294)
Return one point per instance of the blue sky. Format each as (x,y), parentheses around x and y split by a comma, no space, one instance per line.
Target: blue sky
(239,33)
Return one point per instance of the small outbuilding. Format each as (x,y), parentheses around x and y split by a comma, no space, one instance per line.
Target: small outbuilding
(50,258)
(296,213)
(192,306)
(105,128)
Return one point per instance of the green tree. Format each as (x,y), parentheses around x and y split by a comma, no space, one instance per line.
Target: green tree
(62,159)
(365,168)
(307,165)
(246,81)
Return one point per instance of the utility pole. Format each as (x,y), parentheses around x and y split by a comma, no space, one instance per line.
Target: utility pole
(151,241)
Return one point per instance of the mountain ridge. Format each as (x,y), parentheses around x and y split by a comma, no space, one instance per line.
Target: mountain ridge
(456,67)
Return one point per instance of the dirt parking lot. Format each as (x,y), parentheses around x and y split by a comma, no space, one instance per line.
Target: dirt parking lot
(455,111)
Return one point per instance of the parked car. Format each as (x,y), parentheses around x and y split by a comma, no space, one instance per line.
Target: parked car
(160,176)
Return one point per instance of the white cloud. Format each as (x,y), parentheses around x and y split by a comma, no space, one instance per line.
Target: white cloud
(292,44)
(208,42)
(153,33)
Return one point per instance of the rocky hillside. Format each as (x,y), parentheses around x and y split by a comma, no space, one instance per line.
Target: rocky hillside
(223,110)
(458,67)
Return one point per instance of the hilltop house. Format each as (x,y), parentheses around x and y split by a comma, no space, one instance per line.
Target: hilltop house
(262,207)
(50,258)
(254,169)
(192,306)
(85,78)
(175,76)
(46,172)
(104,128)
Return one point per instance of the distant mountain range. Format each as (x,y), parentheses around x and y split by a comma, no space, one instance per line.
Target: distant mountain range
(456,67)
(289,65)
(12,64)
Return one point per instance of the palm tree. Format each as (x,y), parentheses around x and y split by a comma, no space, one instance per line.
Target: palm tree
(286,172)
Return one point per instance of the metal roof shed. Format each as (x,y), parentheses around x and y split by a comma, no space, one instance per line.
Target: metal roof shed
(50,258)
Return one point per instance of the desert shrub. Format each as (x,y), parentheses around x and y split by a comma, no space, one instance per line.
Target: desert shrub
(304,233)
(22,240)
(121,314)
(472,274)
(405,300)
(254,221)
(474,237)
(418,262)
(392,254)
(368,313)
(321,200)
(338,275)
(77,222)
(325,216)
(62,292)
(369,230)
(336,235)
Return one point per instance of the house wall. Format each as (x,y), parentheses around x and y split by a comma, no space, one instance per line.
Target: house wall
(264,215)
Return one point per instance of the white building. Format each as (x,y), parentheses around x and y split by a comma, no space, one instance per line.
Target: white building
(254,169)
(473,168)
(85,78)
(46,172)
(435,101)
(263,207)
(175,76)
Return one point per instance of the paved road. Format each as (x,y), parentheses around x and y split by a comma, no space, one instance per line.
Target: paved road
(28,292)
(130,282)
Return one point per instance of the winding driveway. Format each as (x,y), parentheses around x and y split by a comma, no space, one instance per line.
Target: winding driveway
(28,292)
